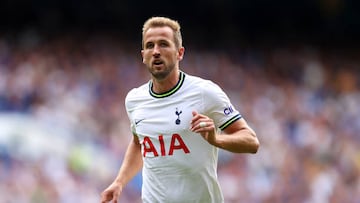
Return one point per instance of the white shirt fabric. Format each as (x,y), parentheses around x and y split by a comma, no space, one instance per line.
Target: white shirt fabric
(179,165)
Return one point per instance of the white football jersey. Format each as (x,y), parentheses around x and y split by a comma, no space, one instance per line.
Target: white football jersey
(179,165)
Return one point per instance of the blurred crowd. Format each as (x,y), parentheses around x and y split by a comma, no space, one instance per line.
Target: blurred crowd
(303,102)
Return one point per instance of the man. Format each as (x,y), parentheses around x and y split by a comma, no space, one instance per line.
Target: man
(179,121)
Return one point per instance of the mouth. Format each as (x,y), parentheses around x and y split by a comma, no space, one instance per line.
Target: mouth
(158,63)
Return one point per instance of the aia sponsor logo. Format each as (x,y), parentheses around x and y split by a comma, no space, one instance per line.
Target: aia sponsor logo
(166,149)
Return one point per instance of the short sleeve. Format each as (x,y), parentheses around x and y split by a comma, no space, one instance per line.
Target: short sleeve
(218,106)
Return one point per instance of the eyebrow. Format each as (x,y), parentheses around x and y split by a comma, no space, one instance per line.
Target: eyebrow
(158,41)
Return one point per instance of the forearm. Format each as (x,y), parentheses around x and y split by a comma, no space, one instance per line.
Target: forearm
(131,164)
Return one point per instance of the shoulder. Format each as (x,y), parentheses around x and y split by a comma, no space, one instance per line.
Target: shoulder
(205,86)
(138,91)
(201,83)
(136,94)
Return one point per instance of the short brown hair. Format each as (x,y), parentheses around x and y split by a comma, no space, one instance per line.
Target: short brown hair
(161,22)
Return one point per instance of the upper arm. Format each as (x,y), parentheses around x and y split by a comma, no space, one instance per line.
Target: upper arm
(135,139)
(243,135)
(239,125)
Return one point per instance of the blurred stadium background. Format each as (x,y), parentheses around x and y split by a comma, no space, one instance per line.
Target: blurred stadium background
(291,67)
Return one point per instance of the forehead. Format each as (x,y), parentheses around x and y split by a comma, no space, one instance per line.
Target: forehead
(158,33)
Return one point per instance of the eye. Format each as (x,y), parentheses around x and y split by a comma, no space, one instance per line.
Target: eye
(149,45)
(163,44)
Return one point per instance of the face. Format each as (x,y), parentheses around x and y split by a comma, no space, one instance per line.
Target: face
(160,54)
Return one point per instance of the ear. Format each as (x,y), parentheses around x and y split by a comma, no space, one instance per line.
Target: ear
(181,53)
(142,55)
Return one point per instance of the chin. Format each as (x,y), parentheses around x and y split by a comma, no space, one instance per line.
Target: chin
(159,75)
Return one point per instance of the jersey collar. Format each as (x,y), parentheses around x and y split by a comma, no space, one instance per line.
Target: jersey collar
(171,91)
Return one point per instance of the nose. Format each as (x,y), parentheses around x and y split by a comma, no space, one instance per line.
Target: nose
(156,50)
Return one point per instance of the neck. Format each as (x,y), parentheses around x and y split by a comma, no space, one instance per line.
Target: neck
(166,84)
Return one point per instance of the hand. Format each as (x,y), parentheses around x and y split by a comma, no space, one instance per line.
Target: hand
(203,125)
(112,193)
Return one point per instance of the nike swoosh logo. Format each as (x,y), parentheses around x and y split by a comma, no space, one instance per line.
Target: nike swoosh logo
(138,121)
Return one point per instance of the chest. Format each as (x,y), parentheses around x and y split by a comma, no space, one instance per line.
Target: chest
(165,116)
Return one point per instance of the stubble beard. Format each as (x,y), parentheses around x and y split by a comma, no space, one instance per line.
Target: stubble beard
(161,74)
